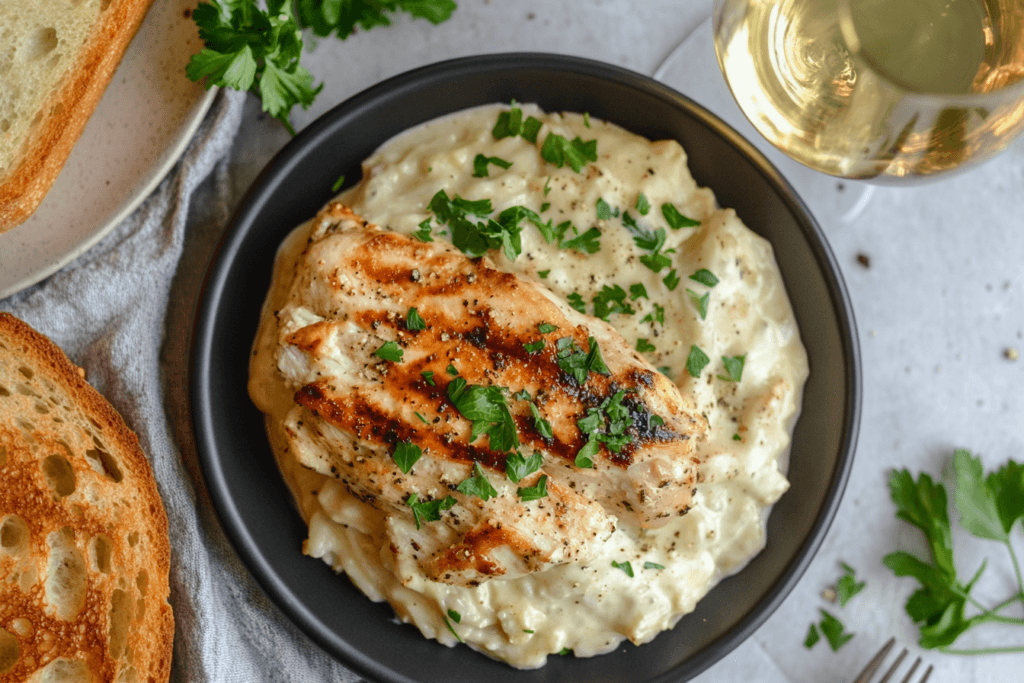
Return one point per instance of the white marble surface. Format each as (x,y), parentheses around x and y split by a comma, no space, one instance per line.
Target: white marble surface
(940,304)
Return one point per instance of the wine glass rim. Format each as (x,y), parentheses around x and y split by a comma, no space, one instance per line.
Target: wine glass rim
(1007,93)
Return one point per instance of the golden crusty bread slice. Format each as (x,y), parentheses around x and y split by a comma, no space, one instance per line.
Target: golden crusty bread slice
(56,58)
(84,552)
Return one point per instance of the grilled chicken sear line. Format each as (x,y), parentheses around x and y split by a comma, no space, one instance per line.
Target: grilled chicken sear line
(353,289)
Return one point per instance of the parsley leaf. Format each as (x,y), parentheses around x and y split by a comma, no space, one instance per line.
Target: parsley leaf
(390,351)
(517,467)
(455,616)
(975,501)
(812,637)
(558,151)
(605,211)
(671,280)
(476,238)
(655,316)
(542,426)
(705,277)
(428,376)
(644,346)
(588,242)
(543,273)
(485,407)
(413,321)
(535,492)
(480,163)
(406,454)
(650,241)
(699,302)
(534,347)
(546,328)
(624,566)
(696,361)
(477,485)
(653,565)
(637,291)
(451,370)
(848,586)
(428,510)
(338,183)
(733,366)
(449,624)
(611,299)
(585,455)
(675,219)
(642,205)
(342,16)
(531,126)
(833,631)
(575,362)
(576,301)
(424,232)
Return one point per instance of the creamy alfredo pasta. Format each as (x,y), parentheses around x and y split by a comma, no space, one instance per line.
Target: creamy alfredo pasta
(691,288)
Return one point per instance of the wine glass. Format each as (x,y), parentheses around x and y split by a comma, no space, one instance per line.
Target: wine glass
(879,90)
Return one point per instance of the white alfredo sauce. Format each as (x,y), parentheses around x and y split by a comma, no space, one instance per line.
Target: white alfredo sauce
(589,608)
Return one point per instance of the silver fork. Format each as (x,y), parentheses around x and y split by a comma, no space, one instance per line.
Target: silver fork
(876,663)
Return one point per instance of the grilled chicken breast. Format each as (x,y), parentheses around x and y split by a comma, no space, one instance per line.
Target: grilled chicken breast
(492,369)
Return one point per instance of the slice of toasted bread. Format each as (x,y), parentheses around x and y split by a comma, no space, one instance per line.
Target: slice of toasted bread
(84,552)
(56,58)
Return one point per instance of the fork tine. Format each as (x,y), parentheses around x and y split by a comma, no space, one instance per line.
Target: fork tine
(910,673)
(892,669)
(876,662)
(927,673)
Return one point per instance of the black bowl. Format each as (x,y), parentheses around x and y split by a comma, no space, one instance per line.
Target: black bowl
(256,508)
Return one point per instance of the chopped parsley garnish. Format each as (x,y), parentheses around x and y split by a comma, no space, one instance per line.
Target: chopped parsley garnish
(576,301)
(624,566)
(655,421)
(452,628)
(509,124)
(477,485)
(480,163)
(422,419)
(637,291)
(455,616)
(337,184)
(733,366)
(705,277)
(428,376)
(451,370)
(543,274)
(390,351)
(545,206)
(565,651)
(650,241)
(535,492)
(531,127)
(406,454)
(665,370)
(523,395)
(671,280)
(485,407)
(428,510)
(675,219)
(547,186)
(653,565)
(585,456)
(644,346)
(534,347)
(586,119)
(848,586)
(475,238)
(605,211)
(696,361)
(542,426)
(606,424)
(424,233)
(655,316)
(413,321)
(528,630)
(737,437)
(611,299)
(812,637)
(517,467)
(546,328)
(559,151)
(577,363)
(642,205)
(833,631)
(699,302)
(588,242)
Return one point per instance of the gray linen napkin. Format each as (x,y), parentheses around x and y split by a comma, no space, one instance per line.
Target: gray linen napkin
(112,312)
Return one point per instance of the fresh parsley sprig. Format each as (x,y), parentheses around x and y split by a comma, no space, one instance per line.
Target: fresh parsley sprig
(248,48)
(990,508)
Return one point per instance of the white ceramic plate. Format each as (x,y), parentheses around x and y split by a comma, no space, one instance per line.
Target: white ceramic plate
(141,126)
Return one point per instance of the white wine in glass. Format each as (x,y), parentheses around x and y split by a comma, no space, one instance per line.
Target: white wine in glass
(882,90)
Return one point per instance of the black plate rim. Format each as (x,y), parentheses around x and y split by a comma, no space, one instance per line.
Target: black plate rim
(283,162)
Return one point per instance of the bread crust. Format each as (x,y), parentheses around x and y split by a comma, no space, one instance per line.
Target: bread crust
(106,519)
(48,146)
